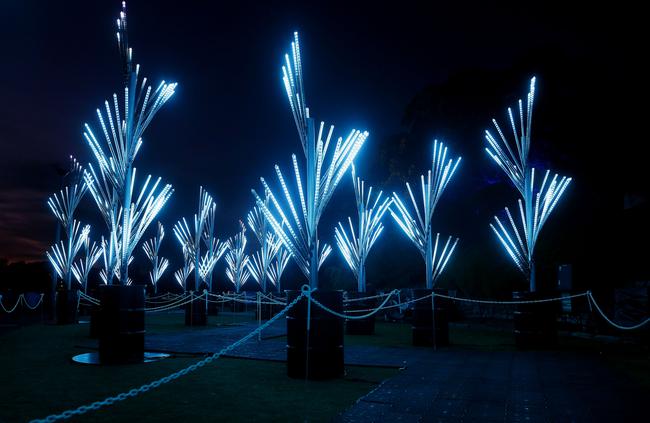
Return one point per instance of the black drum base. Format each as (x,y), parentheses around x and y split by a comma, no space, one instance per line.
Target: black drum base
(195,314)
(121,324)
(66,306)
(423,321)
(535,325)
(360,326)
(320,355)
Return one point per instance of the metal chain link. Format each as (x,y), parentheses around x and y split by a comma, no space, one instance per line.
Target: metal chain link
(155,384)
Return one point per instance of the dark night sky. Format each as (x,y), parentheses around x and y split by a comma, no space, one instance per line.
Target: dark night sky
(229,121)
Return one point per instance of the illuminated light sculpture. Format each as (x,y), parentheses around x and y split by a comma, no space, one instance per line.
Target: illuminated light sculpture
(112,186)
(81,269)
(519,234)
(277,267)
(63,205)
(260,262)
(190,239)
(159,264)
(298,228)
(237,270)
(356,245)
(183,273)
(420,232)
(215,250)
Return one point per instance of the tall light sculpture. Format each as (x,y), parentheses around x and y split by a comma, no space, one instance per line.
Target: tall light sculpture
(298,229)
(277,267)
(261,260)
(420,232)
(237,270)
(81,269)
(215,249)
(159,264)
(537,200)
(190,239)
(356,244)
(112,186)
(63,205)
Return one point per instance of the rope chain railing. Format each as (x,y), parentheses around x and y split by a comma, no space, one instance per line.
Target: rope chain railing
(164,380)
(21,299)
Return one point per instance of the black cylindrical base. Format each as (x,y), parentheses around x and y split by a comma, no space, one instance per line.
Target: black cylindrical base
(67,301)
(121,324)
(318,355)
(195,313)
(424,320)
(535,324)
(360,326)
(93,327)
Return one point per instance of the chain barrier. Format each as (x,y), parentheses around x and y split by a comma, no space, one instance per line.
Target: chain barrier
(21,298)
(344,316)
(590,296)
(352,300)
(177,303)
(155,384)
(544,300)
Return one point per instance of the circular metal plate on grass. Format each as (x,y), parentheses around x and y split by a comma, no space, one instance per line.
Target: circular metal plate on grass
(93,358)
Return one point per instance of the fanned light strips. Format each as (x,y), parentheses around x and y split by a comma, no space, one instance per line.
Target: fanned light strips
(269,244)
(121,138)
(295,222)
(237,270)
(420,231)
(64,203)
(183,273)
(514,161)
(277,267)
(516,237)
(356,244)
(81,269)
(151,249)
(214,252)
(62,255)
(190,238)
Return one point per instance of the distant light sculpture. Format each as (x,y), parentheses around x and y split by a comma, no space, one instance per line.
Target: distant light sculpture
(237,270)
(215,250)
(112,186)
(420,232)
(183,273)
(356,245)
(261,260)
(298,229)
(537,200)
(159,264)
(190,239)
(277,267)
(81,269)
(63,205)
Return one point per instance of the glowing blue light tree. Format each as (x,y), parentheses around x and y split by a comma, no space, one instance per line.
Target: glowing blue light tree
(183,273)
(112,186)
(277,267)
(298,229)
(420,232)
(190,240)
(159,264)
(81,269)
(63,205)
(537,200)
(356,245)
(214,248)
(237,270)
(260,263)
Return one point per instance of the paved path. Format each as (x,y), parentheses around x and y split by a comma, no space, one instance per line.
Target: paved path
(206,341)
(473,386)
(454,384)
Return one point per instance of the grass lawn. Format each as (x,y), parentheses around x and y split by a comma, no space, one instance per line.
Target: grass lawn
(39,379)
